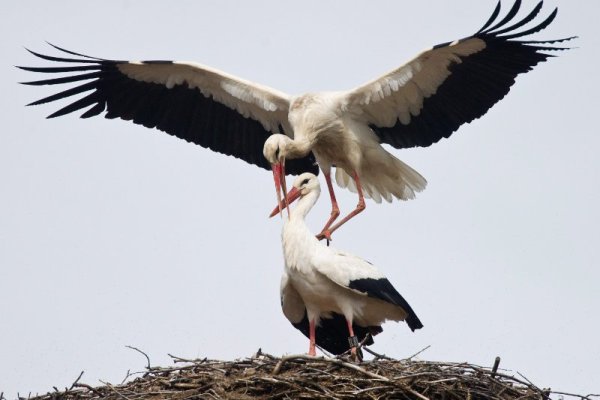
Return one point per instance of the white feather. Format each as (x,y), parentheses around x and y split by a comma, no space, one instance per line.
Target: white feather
(321,275)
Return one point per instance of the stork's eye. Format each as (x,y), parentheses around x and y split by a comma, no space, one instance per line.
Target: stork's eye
(304,182)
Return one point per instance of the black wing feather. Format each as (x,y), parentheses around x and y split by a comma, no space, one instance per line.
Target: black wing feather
(510,15)
(66,93)
(528,18)
(55,70)
(96,110)
(180,111)
(64,79)
(382,289)
(477,83)
(76,54)
(492,17)
(535,29)
(86,101)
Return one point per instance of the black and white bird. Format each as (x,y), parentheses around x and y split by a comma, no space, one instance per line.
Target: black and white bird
(416,104)
(333,297)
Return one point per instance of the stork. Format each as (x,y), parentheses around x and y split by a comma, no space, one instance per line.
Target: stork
(414,105)
(331,295)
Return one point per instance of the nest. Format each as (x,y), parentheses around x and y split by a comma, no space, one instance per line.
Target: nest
(263,376)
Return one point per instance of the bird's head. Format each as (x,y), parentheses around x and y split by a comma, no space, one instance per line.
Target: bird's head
(275,148)
(303,185)
(275,151)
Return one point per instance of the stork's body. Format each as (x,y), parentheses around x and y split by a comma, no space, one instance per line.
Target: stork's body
(324,124)
(320,284)
(414,105)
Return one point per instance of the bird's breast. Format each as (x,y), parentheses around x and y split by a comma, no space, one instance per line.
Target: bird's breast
(318,293)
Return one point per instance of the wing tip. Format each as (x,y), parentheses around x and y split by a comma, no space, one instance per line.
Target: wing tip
(414,322)
(492,17)
(508,33)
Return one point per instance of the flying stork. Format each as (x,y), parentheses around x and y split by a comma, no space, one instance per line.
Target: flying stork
(416,104)
(333,297)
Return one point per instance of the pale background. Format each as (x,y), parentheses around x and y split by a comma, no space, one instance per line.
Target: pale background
(113,235)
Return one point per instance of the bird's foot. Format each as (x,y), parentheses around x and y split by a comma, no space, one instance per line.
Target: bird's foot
(355,352)
(325,234)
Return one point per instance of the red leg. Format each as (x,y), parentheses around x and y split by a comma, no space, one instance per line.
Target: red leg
(335,210)
(351,333)
(359,207)
(350,330)
(311,332)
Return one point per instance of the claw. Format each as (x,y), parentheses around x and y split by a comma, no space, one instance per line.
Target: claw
(325,234)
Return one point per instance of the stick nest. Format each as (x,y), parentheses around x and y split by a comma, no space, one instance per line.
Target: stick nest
(302,377)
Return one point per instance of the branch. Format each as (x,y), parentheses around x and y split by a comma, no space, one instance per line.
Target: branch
(328,360)
(417,353)
(495,367)
(72,386)
(90,388)
(148,367)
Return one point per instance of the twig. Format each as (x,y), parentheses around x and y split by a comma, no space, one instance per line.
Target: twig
(90,388)
(126,376)
(586,397)
(496,365)
(443,380)
(145,355)
(369,389)
(419,395)
(329,360)
(377,355)
(111,387)
(177,359)
(417,353)
(524,377)
(72,386)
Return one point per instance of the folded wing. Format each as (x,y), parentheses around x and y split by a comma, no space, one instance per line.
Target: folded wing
(358,275)
(332,331)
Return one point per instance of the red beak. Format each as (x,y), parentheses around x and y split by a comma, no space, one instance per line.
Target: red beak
(279,177)
(293,195)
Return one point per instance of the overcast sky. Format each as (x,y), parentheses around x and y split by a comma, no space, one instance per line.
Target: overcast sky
(112,234)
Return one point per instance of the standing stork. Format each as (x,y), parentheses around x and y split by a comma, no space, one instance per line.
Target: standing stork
(417,104)
(333,297)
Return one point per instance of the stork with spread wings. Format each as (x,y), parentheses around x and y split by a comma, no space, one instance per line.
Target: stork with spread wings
(415,105)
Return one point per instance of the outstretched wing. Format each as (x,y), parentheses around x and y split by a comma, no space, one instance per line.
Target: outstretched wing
(454,83)
(190,101)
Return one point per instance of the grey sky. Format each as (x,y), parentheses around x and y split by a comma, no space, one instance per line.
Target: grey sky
(113,235)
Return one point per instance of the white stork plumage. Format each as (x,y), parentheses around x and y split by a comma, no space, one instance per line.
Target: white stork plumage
(417,104)
(333,297)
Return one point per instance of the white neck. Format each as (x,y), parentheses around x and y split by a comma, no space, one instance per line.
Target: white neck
(299,147)
(297,239)
(305,204)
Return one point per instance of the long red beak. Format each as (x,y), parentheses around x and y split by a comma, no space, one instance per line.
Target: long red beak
(293,195)
(279,177)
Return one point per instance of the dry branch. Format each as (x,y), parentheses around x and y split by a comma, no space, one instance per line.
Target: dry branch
(304,377)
